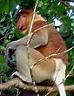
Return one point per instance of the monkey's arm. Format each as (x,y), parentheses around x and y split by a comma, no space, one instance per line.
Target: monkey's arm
(38,39)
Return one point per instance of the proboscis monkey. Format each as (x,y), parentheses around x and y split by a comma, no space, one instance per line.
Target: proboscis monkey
(44,42)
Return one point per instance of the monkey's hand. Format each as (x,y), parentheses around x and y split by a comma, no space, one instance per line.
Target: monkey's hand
(10,46)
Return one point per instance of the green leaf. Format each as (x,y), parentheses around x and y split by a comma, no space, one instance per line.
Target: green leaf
(17,34)
(3,66)
(2,59)
(8,5)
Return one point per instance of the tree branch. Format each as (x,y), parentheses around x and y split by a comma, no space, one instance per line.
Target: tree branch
(16,82)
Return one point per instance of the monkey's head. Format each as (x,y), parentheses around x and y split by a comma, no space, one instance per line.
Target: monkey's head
(24,20)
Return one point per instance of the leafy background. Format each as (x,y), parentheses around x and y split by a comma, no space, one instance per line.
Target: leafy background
(62,10)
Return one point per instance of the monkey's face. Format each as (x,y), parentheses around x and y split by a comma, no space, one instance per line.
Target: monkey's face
(24,21)
(22,24)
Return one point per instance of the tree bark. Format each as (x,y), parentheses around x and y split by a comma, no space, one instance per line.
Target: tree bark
(16,82)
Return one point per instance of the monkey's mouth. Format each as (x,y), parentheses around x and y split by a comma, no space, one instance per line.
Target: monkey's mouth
(25,31)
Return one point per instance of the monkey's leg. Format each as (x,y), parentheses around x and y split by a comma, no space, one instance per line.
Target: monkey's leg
(46,69)
(59,76)
(24,60)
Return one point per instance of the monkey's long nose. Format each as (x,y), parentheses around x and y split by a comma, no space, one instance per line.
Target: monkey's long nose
(21,24)
(22,28)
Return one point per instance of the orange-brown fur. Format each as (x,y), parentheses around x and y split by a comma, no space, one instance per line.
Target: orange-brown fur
(55,42)
(44,42)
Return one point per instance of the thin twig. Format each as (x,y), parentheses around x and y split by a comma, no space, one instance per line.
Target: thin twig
(64,3)
(30,29)
(49,56)
(28,42)
(42,27)
(69,73)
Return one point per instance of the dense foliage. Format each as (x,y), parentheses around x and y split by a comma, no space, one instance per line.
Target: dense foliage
(51,10)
